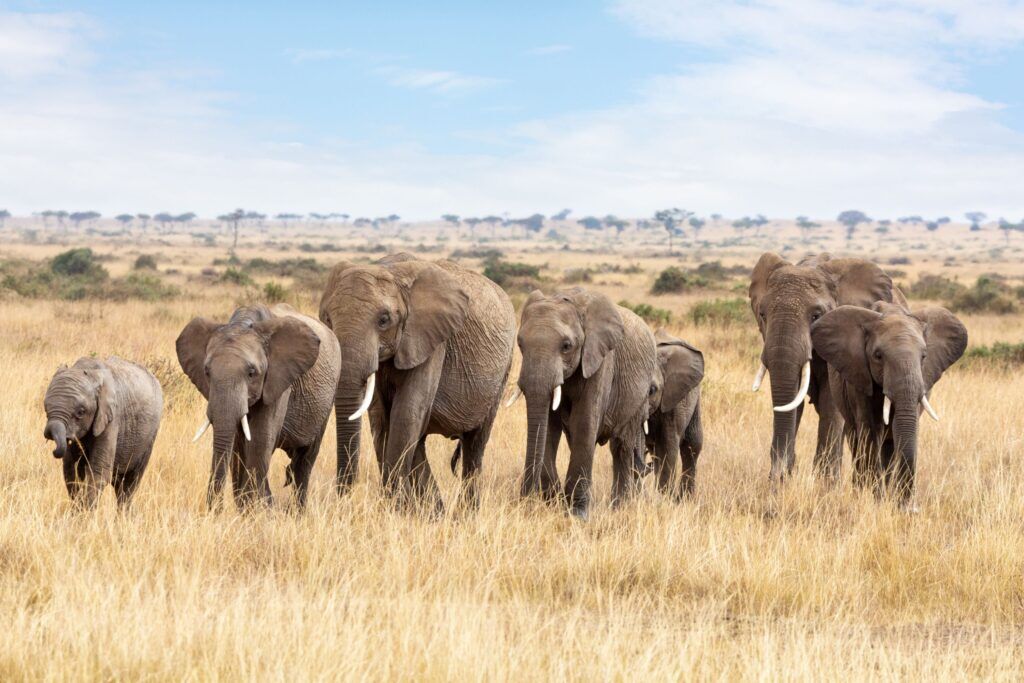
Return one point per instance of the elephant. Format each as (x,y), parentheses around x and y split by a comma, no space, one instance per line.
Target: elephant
(883,361)
(786,300)
(586,371)
(103,416)
(675,434)
(428,347)
(269,376)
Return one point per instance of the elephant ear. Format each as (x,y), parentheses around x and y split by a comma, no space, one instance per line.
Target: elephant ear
(603,329)
(946,340)
(292,349)
(857,282)
(191,348)
(682,367)
(329,289)
(840,337)
(106,403)
(766,265)
(437,307)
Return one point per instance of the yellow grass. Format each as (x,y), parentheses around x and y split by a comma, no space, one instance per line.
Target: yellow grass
(736,583)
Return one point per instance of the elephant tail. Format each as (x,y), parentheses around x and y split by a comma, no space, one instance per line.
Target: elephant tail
(456,456)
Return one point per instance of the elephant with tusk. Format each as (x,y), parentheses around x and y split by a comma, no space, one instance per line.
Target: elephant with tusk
(269,376)
(103,416)
(786,300)
(883,362)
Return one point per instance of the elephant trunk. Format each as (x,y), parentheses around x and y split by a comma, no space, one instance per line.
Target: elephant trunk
(538,408)
(353,389)
(227,408)
(57,431)
(904,429)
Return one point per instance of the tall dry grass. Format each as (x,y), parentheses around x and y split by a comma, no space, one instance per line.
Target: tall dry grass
(811,583)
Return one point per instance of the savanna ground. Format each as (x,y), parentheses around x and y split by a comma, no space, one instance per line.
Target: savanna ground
(809,583)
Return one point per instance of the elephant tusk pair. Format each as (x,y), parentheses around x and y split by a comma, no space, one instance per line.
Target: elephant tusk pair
(371,381)
(206,425)
(801,394)
(759,377)
(557,398)
(887,407)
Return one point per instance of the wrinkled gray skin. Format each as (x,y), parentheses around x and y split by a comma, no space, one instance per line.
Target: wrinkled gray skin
(277,367)
(879,352)
(675,436)
(103,416)
(439,338)
(786,300)
(603,356)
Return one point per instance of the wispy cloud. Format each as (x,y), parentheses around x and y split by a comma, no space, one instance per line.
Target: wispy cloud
(435,81)
(301,55)
(36,44)
(548,49)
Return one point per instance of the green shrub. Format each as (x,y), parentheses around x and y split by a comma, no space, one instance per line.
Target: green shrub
(144,262)
(673,280)
(144,286)
(714,271)
(486,254)
(508,274)
(78,263)
(648,312)
(236,276)
(937,287)
(986,296)
(274,292)
(1001,354)
(720,312)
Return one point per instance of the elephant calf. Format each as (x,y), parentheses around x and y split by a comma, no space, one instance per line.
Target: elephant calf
(103,416)
(674,434)
(883,361)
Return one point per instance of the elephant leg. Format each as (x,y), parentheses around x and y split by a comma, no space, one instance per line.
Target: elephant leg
(424,486)
(379,431)
(74,473)
(550,483)
(125,485)
(302,460)
(828,454)
(410,411)
(666,451)
(240,480)
(96,479)
(473,444)
(578,477)
(886,477)
(689,450)
(625,479)
(791,447)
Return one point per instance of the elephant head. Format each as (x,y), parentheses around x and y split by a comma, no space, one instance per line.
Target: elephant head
(399,309)
(681,367)
(79,404)
(253,358)
(559,335)
(889,353)
(786,300)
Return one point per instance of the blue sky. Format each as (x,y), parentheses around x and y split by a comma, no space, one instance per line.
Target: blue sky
(774,106)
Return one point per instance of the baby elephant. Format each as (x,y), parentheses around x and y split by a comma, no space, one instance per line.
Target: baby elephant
(103,416)
(674,429)
(882,362)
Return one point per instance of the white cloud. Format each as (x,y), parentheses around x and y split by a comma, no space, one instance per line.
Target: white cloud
(549,50)
(33,45)
(436,81)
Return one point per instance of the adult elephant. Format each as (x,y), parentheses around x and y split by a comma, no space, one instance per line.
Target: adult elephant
(428,347)
(269,376)
(883,362)
(675,436)
(587,368)
(787,299)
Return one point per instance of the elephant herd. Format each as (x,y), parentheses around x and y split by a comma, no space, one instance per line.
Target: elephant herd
(426,348)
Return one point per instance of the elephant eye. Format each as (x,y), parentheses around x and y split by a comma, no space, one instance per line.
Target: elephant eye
(80,411)
(652,391)
(252,371)
(878,354)
(566,345)
(383,320)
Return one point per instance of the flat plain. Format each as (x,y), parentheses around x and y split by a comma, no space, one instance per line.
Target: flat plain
(809,582)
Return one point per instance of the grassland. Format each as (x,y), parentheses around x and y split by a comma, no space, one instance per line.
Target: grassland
(811,583)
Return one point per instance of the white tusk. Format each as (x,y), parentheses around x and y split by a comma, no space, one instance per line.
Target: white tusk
(645,427)
(514,397)
(557,399)
(202,430)
(886,408)
(759,377)
(371,381)
(801,394)
(928,408)
(245,428)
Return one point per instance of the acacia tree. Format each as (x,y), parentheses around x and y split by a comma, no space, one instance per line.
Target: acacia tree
(976,218)
(741,225)
(672,220)
(79,217)
(697,224)
(144,217)
(851,219)
(590,223)
(233,219)
(561,215)
(164,219)
(125,219)
(4,215)
(759,221)
(617,223)
(806,225)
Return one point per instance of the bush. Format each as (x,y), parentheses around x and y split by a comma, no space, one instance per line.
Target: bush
(986,296)
(720,312)
(714,271)
(38,281)
(144,262)
(78,262)
(1000,354)
(274,292)
(485,254)
(508,274)
(575,276)
(235,276)
(937,287)
(648,312)
(673,280)
(144,286)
